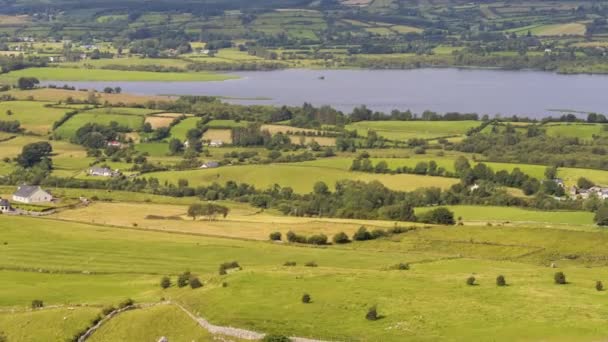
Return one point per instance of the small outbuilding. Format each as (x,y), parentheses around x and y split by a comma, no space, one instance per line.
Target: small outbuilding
(5,206)
(210,165)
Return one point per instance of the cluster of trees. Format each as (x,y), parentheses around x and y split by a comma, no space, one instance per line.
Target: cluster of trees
(208,210)
(95,136)
(10,126)
(534,146)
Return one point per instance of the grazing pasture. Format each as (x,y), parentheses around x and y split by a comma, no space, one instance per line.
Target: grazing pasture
(73,74)
(404,130)
(180,130)
(69,128)
(32,115)
(223,135)
(299,176)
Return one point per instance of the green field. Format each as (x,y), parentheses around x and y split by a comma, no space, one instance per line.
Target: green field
(493,214)
(69,128)
(403,130)
(583,131)
(300,177)
(180,130)
(73,74)
(415,304)
(32,115)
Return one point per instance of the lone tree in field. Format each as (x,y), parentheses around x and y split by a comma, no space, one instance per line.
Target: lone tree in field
(341,238)
(195,283)
(208,210)
(275,236)
(560,278)
(183,279)
(306,298)
(599,286)
(37,304)
(500,281)
(471,281)
(165,282)
(372,314)
(601,216)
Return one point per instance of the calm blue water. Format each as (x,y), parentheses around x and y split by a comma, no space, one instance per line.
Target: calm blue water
(530,93)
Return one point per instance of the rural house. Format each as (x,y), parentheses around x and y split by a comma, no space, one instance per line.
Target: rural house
(31,194)
(103,172)
(210,165)
(5,206)
(216,143)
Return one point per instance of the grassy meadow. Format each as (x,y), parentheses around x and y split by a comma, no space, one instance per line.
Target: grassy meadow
(299,176)
(75,74)
(412,303)
(33,116)
(404,130)
(69,128)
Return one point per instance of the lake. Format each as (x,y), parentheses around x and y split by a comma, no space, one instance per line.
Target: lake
(529,93)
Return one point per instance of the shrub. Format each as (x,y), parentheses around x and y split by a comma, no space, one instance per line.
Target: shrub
(362,234)
(560,278)
(311,264)
(320,239)
(125,303)
(275,338)
(165,282)
(293,237)
(599,286)
(195,283)
(601,216)
(227,266)
(372,314)
(471,281)
(438,216)
(224,284)
(182,279)
(289,263)
(378,233)
(400,266)
(340,238)
(275,236)
(107,310)
(306,298)
(37,303)
(500,281)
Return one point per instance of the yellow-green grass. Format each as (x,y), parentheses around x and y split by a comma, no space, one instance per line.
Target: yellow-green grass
(149,324)
(403,130)
(571,175)
(446,162)
(74,74)
(130,61)
(57,324)
(244,221)
(226,123)
(323,141)
(69,128)
(33,116)
(11,148)
(583,131)
(577,29)
(48,94)
(405,29)
(429,302)
(383,31)
(223,135)
(297,176)
(122,110)
(494,214)
(180,130)
(159,121)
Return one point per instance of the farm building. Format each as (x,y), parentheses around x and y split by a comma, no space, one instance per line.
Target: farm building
(31,194)
(114,143)
(599,192)
(216,143)
(103,172)
(210,165)
(5,206)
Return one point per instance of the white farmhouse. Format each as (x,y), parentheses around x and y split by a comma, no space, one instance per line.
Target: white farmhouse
(5,206)
(31,194)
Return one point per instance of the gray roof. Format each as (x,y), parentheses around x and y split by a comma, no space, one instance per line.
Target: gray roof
(100,169)
(4,203)
(212,164)
(26,190)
